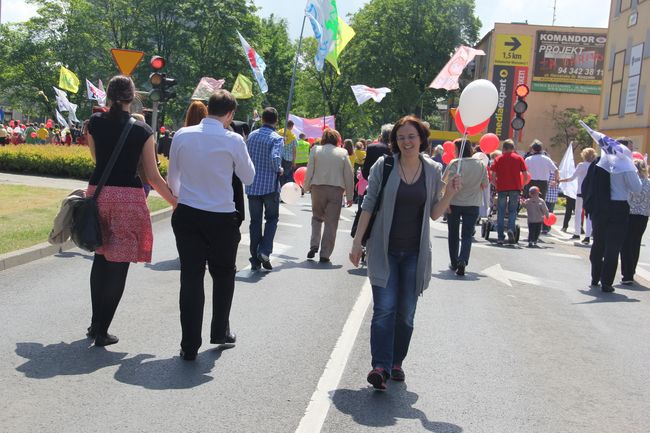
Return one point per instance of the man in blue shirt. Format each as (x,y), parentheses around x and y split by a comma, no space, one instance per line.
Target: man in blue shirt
(265,148)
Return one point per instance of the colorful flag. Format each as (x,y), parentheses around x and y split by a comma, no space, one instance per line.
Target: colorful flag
(60,119)
(95,93)
(614,157)
(324,19)
(243,87)
(448,76)
(567,167)
(345,33)
(206,88)
(256,63)
(68,80)
(364,93)
(312,128)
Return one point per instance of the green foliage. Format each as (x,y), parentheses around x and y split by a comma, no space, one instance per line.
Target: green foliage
(568,129)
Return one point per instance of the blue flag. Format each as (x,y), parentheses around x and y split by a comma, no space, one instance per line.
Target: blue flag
(614,157)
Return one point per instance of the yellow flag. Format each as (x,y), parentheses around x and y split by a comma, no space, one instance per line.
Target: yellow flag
(345,33)
(243,88)
(68,80)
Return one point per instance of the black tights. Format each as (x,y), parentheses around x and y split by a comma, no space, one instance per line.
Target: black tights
(107,280)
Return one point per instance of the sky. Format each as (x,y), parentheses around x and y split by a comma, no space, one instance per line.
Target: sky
(568,13)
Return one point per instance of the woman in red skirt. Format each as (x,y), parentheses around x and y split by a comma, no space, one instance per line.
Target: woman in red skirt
(124,215)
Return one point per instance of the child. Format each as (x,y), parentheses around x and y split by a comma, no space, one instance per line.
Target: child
(537,210)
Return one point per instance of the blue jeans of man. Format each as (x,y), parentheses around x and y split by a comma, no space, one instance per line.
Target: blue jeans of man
(393,311)
(287,175)
(509,199)
(268,207)
(469,215)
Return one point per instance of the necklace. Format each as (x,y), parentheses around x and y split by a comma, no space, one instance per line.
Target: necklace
(404,172)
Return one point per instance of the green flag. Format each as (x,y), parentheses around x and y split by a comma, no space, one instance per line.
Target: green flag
(243,88)
(344,34)
(68,80)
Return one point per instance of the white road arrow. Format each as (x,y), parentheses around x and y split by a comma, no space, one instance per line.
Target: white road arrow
(503,276)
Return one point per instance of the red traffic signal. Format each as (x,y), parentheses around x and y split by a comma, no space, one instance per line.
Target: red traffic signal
(522,90)
(520,107)
(157,63)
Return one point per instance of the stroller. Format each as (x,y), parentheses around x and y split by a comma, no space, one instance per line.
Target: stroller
(489,224)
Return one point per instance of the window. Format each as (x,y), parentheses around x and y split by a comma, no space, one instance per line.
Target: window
(617,83)
(625,5)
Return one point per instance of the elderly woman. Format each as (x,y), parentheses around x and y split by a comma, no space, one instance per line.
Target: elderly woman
(465,205)
(588,156)
(639,210)
(329,176)
(399,245)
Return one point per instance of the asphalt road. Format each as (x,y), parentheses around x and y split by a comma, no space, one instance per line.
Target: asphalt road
(521,344)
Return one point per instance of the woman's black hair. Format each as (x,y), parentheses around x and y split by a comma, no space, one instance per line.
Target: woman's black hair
(467,151)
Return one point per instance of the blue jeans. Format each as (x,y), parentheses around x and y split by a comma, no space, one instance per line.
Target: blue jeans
(511,199)
(469,214)
(287,175)
(269,205)
(393,311)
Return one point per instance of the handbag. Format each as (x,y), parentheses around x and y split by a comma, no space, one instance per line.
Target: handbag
(86,231)
(388,167)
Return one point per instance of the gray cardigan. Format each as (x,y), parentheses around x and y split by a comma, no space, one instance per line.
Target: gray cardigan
(377,245)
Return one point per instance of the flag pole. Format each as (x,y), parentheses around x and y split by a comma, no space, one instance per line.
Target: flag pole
(293,78)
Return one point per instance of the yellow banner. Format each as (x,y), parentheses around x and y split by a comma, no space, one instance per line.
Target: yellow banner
(243,88)
(513,50)
(68,80)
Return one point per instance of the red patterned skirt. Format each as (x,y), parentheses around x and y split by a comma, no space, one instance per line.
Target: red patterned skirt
(126,225)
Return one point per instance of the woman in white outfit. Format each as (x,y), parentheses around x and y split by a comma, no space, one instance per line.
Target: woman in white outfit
(588,156)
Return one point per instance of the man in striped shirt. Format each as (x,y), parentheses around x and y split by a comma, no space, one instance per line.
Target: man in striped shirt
(265,148)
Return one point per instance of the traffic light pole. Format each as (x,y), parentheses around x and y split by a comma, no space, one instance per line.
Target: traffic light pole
(154,122)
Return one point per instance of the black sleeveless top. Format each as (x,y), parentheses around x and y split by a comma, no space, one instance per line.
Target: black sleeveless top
(406,228)
(106,130)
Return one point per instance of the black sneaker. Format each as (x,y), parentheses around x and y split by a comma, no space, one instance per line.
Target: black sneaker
(460,269)
(575,237)
(607,289)
(586,241)
(594,283)
(500,241)
(511,237)
(377,378)
(312,253)
(105,340)
(397,374)
(324,260)
(627,282)
(530,245)
(187,356)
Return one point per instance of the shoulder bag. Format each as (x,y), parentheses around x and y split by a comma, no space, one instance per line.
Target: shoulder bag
(86,230)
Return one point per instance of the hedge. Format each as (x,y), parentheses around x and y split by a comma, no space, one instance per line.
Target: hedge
(50,160)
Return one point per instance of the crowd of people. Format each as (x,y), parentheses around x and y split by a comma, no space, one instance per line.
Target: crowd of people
(397,180)
(14,132)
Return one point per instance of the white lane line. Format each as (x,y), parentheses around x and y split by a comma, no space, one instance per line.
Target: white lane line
(567,256)
(312,421)
(285,211)
(280,223)
(643,273)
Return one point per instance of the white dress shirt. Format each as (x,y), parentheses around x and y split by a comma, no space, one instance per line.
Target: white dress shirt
(201,164)
(540,166)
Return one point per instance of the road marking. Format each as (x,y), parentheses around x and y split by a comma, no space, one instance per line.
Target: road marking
(312,421)
(280,223)
(503,276)
(345,218)
(278,248)
(567,256)
(285,211)
(643,273)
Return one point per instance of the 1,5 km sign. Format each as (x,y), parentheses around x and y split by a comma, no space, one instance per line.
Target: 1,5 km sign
(512,50)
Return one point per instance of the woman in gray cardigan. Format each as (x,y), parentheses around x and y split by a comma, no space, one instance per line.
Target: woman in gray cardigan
(399,246)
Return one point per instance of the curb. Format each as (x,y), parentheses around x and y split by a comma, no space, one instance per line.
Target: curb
(29,254)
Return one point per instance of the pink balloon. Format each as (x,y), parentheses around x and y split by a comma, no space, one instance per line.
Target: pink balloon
(447,157)
(637,155)
(489,143)
(550,219)
(33,134)
(299,176)
(449,146)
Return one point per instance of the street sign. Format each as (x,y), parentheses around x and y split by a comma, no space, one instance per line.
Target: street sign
(513,50)
(126,60)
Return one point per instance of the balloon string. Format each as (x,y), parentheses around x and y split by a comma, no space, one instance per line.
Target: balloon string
(462,152)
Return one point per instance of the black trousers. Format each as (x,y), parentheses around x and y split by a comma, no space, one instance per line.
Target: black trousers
(568,210)
(202,237)
(534,229)
(107,281)
(632,245)
(609,233)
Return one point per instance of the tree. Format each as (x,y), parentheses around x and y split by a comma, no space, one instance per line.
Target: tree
(569,130)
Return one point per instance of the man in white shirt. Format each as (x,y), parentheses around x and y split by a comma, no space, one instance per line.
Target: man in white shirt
(540,168)
(206,225)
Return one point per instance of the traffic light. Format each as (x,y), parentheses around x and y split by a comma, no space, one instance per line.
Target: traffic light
(520,107)
(161,84)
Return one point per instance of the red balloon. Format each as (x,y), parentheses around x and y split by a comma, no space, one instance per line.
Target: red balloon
(637,155)
(472,129)
(310,140)
(33,134)
(23,127)
(550,219)
(163,129)
(299,176)
(447,157)
(489,143)
(449,146)
(521,177)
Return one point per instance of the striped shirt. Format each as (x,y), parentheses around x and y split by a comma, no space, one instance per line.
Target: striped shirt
(552,191)
(265,146)
(640,201)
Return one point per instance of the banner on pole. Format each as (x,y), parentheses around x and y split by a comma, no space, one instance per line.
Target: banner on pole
(256,63)
(448,77)
(68,80)
(206,87)
(243,87)
(312,128)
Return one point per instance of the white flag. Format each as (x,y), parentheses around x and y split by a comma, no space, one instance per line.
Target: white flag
(95,93)
(61,120)
(614,157)
(72,112)
(61,99)
(364,93)
(567,168)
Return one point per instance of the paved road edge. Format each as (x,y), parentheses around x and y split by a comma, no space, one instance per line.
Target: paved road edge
(26,255)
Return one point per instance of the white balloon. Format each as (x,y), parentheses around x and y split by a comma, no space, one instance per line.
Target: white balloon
(478,102)
(481,157)
(290,193)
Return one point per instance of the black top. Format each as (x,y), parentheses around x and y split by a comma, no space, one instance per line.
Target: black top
(373,153)
(406,228)
(105,131)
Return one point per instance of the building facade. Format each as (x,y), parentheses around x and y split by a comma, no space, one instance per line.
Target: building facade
(625,105)
(562,66)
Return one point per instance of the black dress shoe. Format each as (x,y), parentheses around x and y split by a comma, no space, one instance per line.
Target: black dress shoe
(105,340)
(90,332)
(324,260)
(267,265)
(188,356)
(460,269)
(230,338)
(312,253)
(607,289)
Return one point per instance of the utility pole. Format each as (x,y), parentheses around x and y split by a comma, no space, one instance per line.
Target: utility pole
(554,10)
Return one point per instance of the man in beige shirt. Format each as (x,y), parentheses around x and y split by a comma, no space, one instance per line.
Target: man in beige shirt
(329,175)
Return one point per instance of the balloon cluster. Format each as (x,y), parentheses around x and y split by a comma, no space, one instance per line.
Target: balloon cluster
(291,191)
